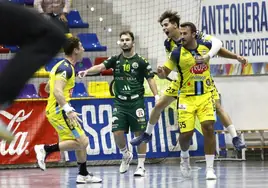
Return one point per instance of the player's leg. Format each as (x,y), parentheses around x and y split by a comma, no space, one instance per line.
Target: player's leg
(72,138)
(207,118)
(227,123)
(138,125)
(39,41)
(119,128)
(186,121)
(169,96)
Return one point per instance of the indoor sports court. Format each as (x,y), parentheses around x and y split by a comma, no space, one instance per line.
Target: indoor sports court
(237,72)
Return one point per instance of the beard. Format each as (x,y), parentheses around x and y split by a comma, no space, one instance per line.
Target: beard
(126,50)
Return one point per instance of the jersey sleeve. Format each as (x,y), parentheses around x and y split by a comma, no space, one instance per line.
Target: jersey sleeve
(110,62)
(173,59)
(167,47)
(64,71)
(148,71)
(208,44)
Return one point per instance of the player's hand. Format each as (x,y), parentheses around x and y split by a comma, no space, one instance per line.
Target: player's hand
(202,59)
(63,18)
(161,72)
(82,74)
(242,60)
(74,117)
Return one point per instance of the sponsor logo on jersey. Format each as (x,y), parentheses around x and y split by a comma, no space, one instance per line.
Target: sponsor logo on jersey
(135,65)
(199,68)
(140,113)
(198,77)
(182,106)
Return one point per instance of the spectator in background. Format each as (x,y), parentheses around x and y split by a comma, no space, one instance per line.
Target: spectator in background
(55,10)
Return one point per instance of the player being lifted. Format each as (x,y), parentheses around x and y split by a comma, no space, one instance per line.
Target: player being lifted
(130,69)
(196,97)
(62,116)
(170,22)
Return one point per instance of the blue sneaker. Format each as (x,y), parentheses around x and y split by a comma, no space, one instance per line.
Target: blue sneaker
(238,143)
(145,138)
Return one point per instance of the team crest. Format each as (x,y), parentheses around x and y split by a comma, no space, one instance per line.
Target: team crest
(135,65)
(208,82)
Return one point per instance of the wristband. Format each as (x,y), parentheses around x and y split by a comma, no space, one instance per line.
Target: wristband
(67,108)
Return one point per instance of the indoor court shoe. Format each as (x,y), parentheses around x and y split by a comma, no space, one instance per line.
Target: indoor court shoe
(5,134)
(238,143)
(185,167)
(90,178)
(210,174)
(40,156)
(145,138)
(140,172)
(125,163)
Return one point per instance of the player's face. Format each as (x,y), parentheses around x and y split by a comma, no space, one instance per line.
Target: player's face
(169,28)
(126,43)
(80,51)
(186,35)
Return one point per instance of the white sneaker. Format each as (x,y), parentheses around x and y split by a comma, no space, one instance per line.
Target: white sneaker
(185,167)
(140,171)
(87,179)
(210,174)
(40,156)
(125,163)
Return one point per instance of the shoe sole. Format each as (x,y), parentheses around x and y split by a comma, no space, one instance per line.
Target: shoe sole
(138,175)
(211,178)
(88,182)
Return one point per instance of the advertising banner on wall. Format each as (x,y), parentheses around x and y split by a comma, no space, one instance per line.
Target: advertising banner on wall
(30,127)
(242,25)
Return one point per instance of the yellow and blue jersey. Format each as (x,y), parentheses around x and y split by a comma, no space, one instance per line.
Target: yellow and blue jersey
(63,70)
(194,78)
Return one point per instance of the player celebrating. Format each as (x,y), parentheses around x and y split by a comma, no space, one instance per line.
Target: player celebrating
(62,116)
(170,22)
(196,96)
(130,69)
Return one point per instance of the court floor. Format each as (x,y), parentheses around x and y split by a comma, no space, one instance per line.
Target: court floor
(230,175)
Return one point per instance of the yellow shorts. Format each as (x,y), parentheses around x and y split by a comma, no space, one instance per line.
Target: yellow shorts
(172,89)
(202,106)
(65,129)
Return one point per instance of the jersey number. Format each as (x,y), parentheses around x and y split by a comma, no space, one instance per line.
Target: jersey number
(170,90)
(126,67)
(182,125)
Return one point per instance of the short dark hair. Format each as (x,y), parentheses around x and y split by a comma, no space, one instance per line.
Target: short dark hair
(70,44)
(127,32)
(191,25)
(172,16)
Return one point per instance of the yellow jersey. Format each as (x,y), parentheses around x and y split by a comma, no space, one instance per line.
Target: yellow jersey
(194,78)
(170,45)
(63,70)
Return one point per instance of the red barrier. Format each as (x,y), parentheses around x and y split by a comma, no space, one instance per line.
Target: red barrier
(28,121)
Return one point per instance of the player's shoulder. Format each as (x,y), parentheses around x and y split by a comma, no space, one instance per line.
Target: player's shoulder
(141,59)
(176,52)
(167,44)
(206,43)
(66,67)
